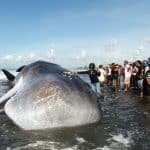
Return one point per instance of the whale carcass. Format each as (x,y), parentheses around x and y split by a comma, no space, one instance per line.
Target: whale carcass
(45,95)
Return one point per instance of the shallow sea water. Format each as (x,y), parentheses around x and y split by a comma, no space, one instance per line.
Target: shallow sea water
(125,125)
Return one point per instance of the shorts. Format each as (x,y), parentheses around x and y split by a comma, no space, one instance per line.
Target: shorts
(101,83)
(127,80)
(140,84)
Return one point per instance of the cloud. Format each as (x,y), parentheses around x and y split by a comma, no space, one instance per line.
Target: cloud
(109,47)
(15,60)
(8,57)
(51,53)
(139,53)
(82,55)
(147,41)
(19,58)
(140,49)
(31,55)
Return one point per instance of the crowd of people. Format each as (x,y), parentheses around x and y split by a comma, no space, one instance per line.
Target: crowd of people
(130,75)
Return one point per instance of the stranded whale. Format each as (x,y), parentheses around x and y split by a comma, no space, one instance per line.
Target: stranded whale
(45,95)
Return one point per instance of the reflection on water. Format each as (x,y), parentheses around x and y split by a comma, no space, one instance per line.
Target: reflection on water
(125,126)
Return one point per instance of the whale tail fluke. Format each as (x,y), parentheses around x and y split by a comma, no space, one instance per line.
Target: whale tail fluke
(9,75)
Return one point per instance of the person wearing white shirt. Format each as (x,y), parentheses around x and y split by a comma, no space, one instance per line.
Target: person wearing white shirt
(127,73)
(101,78)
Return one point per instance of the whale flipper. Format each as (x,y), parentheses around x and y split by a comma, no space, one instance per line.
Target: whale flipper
(9,75)
(20,68)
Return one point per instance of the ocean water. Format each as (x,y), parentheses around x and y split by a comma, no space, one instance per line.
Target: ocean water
(125,125)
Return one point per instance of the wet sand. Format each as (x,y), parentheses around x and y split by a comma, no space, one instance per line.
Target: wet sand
(125,125)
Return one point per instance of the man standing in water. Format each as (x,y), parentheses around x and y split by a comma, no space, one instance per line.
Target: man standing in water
(146,82)
(93,74)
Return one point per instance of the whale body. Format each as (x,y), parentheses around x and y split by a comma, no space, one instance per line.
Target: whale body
(46,95)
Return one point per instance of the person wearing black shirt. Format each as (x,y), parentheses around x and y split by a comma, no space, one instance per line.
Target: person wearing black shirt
(140,76)
(93,75)
(146,83)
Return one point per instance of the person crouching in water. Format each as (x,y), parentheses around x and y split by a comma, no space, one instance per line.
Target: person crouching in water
(93,75)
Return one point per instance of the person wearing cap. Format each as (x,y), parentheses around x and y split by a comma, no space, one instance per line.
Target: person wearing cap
(93,75)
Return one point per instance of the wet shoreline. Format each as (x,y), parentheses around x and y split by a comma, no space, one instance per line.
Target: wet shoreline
(125,125)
